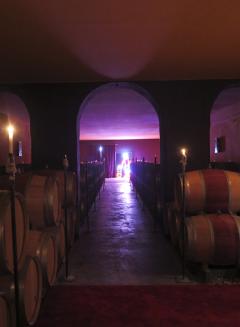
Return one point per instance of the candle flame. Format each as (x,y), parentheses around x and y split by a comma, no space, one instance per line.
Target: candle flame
(10,130)
(184,152)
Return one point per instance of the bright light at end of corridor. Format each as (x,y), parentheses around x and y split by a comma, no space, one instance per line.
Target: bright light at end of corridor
(125,156)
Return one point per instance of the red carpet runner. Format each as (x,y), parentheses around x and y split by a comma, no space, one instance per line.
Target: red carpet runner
(164,305)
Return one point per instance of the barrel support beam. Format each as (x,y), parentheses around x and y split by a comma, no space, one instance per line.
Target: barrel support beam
(183,162)
(68,278)
(11,169)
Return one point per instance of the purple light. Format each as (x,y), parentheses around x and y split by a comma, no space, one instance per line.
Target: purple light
(118,114)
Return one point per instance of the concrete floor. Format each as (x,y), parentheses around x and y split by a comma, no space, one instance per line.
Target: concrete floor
(121,247)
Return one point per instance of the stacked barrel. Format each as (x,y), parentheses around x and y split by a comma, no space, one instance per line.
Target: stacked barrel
(40,240)
(29,267)
(145,177)
(92,177)
(69,203)
(212,226)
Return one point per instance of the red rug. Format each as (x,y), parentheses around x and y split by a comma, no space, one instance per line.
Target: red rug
(164,305)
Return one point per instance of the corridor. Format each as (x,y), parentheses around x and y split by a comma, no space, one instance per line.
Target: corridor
(122,248)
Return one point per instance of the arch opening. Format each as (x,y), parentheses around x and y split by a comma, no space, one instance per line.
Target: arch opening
(121,119)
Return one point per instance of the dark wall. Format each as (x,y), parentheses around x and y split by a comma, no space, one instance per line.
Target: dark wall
(184,110)
(184,121)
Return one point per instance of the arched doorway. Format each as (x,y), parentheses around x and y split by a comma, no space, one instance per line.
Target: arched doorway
(14,111)
(119,119)
(123,117)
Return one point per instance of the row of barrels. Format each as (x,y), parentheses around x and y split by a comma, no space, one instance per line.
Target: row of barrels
(145,177)
(39,207)
(92,177)
(212,222)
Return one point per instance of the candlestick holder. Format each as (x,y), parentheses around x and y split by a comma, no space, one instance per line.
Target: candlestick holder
(183,163)
(87,199)
(68,278)
(11,170)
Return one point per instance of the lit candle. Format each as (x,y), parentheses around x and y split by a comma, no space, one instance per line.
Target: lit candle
(100,151)
(184,152)
(10,130)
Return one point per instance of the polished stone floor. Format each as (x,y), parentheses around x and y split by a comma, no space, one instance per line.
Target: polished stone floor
(121,247)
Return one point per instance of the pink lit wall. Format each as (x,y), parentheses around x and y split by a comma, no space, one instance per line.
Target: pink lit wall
(225,122)
(137,149)
(13,110)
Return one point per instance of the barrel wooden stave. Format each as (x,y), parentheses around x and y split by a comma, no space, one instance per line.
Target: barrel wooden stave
(199,239)
(43,245)
(22,222)
(226,239)
(42,199)
(71,184)
(59,234)
(30,288)
(213,239)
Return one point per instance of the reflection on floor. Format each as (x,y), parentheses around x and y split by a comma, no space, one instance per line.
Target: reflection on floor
(122,248)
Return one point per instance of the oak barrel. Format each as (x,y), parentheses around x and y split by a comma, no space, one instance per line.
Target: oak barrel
(213,239)
(6,250)
(71,184)
(209,190)
(42,199)
(30,288)
(43,245)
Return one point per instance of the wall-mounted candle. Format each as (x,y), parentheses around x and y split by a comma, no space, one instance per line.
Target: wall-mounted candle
(10,130)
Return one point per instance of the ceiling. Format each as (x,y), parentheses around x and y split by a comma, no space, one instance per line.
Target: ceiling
(118,113)
(76,41)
